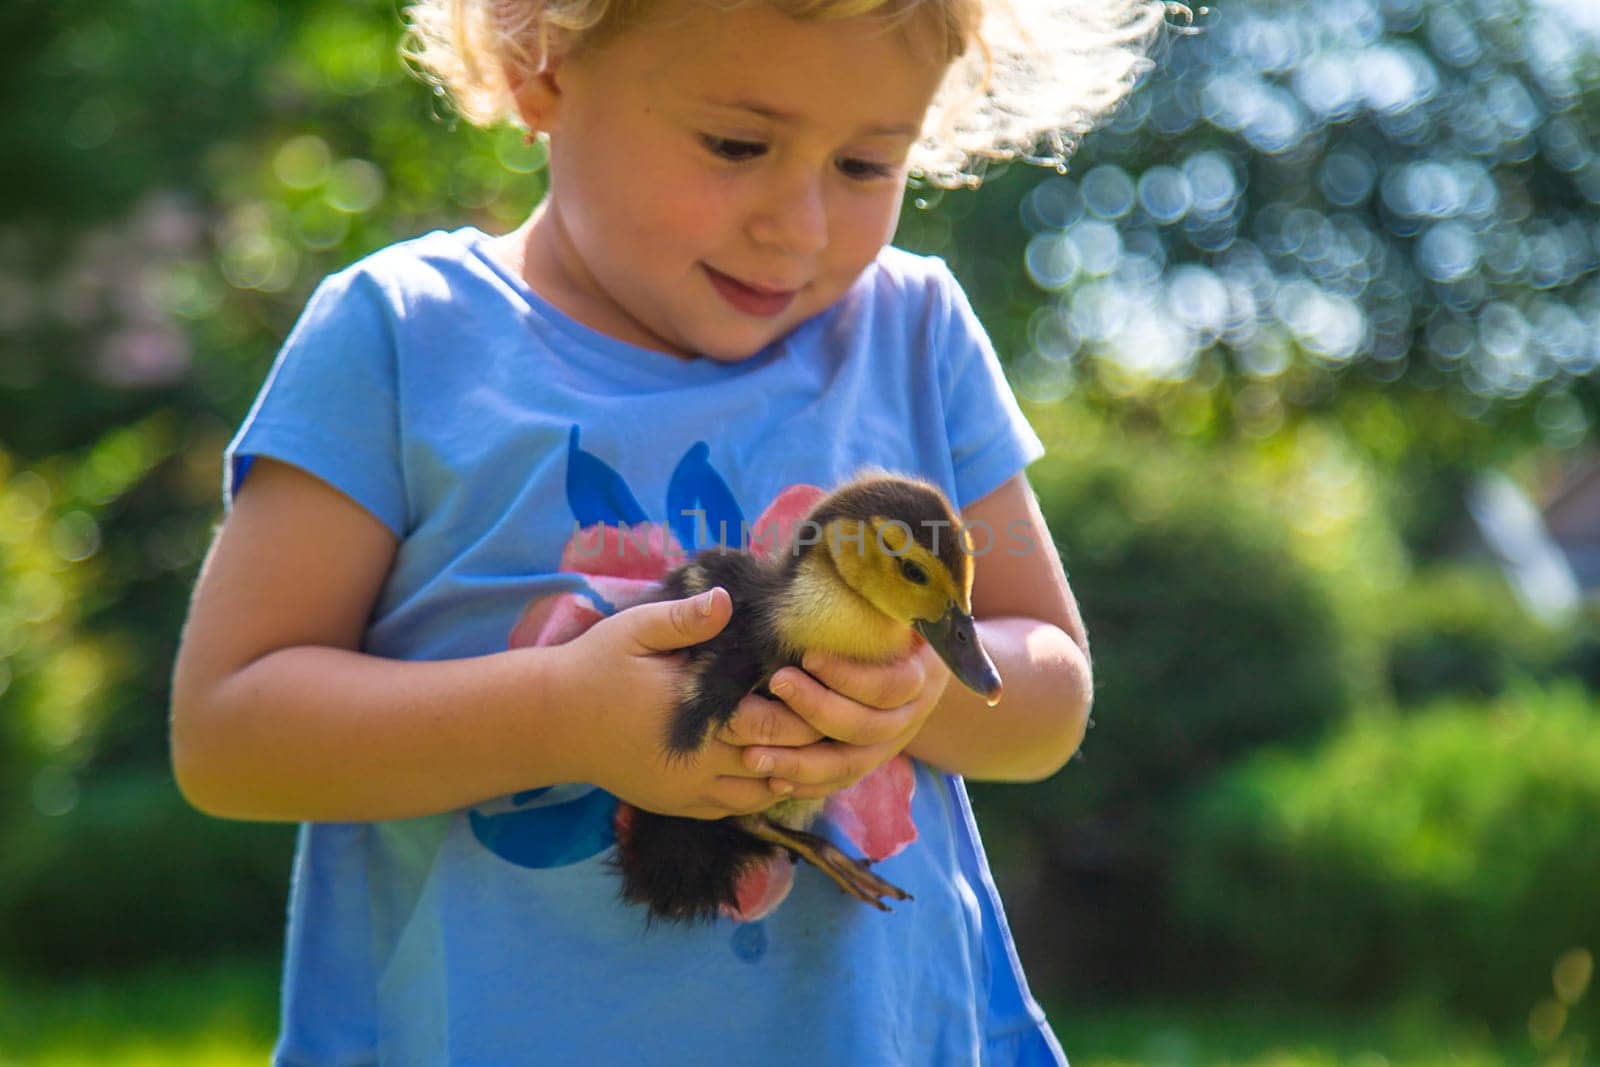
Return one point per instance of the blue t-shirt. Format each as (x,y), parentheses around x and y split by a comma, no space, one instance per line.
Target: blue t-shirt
(483,427)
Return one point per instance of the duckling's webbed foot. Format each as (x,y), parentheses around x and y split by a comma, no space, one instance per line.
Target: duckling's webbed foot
(851,875)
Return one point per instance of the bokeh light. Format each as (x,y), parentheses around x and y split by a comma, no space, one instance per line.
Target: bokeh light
(1421,185)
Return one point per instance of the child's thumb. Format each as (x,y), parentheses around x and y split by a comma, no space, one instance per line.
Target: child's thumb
(675,624)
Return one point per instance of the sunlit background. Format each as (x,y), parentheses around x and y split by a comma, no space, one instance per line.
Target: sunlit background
(1311,330)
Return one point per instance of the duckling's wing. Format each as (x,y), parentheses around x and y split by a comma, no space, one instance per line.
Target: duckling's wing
(722,671)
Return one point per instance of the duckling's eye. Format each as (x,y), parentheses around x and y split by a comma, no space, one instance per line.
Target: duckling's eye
(913,573)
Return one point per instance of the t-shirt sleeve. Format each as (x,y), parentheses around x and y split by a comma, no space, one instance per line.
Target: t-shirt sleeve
(990,439)
(330,403)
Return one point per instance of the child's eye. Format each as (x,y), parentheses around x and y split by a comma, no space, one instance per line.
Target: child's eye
(731,149)
(865,169)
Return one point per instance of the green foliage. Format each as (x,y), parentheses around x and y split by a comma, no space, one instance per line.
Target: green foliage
(222,1014)
(1193,600)
(1451,853)
(58,580)
(1456,630)
(185,173)
(1267,1031)
(1209,640)
(130,873)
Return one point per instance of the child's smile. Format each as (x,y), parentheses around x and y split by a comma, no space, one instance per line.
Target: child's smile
(719,177)
(750,299)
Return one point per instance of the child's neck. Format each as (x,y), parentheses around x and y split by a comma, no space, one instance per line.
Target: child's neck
(540,253)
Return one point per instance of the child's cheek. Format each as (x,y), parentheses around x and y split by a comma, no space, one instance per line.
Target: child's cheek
(693,209)
(873,221)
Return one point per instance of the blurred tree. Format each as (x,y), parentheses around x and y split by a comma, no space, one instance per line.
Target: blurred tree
(1377,210)
(185,173)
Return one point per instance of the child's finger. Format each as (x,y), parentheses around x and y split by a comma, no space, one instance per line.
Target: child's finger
(783,788)
(759,721)
(837,716)
(739,796)
(673,624)
(826,763)
(877,685)
(727,761)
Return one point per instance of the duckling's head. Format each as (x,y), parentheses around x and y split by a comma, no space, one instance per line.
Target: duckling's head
(898,544)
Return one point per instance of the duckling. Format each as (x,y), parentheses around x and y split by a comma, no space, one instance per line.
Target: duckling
(876,562)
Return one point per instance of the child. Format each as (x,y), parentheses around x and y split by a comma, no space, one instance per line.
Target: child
(701,315)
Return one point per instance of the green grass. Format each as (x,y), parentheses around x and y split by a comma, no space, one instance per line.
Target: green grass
(225,1014)
(1241,1034)
(219,1015)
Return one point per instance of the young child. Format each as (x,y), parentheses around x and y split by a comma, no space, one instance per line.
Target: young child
(701,315)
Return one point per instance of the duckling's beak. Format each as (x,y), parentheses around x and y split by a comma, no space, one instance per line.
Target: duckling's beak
(955,638)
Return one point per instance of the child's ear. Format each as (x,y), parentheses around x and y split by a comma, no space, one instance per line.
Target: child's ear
(537,94)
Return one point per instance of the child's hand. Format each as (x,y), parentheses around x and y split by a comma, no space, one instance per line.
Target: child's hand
(866,712)
(626,673)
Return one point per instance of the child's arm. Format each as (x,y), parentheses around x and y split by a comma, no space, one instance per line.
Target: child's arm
(276,715)
(1028,622)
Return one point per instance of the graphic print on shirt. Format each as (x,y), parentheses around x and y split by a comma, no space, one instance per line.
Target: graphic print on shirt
(622,556)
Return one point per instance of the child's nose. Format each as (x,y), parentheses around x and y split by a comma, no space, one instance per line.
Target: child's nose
(794,218)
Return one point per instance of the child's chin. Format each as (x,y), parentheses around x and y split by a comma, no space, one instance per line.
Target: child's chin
(730,351)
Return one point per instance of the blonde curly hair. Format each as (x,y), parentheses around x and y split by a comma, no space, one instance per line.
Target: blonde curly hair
(1027,78)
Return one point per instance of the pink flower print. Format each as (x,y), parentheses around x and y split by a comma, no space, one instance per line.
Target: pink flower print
(623,565)
(761,889)
(875,813)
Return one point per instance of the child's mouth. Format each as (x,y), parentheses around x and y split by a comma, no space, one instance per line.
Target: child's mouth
(763,303)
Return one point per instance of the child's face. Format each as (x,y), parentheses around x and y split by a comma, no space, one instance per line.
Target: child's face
(719,177)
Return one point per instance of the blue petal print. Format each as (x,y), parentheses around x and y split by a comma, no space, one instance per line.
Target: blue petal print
(553,834)
(596,493)
(700,507)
